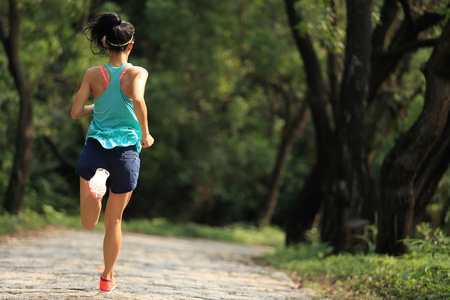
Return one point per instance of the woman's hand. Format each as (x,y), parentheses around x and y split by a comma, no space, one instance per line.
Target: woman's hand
(147,140)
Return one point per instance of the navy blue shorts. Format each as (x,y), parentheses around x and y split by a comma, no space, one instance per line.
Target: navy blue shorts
(123,164)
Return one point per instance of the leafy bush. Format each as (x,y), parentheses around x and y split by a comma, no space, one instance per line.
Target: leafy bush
(28,219)
(414,276)
(430,241)
(31,220)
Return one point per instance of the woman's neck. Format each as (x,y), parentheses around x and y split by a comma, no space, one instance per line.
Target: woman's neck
(117,59)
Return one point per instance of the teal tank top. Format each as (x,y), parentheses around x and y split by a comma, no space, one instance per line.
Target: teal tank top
(115,123)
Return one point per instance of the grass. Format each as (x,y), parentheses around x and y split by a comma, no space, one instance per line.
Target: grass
(239,233)
(31,220)
(422,274)
(369,276)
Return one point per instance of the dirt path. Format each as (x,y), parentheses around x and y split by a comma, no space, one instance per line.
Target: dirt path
(61,264)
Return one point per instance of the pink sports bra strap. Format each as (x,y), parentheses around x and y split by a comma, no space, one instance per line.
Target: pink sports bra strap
(123,72)
(104,76)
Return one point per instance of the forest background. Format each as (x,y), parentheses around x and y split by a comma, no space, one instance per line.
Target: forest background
(300,114)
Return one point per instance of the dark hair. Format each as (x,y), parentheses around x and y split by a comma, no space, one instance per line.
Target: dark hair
(109,26)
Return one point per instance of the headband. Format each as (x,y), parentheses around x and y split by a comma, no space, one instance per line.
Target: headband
(121,45)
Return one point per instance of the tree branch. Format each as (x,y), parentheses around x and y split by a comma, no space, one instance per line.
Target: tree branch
(406,48)
(403,164)
(3,37)
(14,21)
(11,44)
(426,21)
(407,11)
(317,92)
(388,14)
(405,39)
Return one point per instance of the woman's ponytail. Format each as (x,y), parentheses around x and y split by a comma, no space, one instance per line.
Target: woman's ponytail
(109,31)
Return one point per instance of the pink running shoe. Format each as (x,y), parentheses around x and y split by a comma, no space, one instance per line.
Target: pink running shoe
(106,285)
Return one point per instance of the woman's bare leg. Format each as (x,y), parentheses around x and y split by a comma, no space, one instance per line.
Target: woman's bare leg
(90,208)
(113,226)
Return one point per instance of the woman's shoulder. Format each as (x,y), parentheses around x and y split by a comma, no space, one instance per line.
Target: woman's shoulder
(94,70)
(136,71)
(92,73)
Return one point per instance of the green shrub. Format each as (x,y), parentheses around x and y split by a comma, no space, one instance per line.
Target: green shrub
(31,220)
(27,219)
(429,241)
(418,275)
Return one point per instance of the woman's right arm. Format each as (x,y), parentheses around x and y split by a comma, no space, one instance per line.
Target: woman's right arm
(79,107)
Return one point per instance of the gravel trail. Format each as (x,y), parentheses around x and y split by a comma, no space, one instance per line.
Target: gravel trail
(61,264)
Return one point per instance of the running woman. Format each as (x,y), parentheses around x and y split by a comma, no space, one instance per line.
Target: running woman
(118,132)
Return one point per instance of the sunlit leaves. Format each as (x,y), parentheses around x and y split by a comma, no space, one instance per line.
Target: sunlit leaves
(324,22)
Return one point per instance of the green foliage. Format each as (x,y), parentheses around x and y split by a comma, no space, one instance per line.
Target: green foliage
(325,22)
(442,9)
(8,113)
(47,30)
(429,241)
(240,233)
(370,240)
(27,219)
(414,276)
(31,220)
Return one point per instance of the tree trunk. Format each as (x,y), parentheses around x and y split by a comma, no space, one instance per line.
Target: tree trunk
(351,184)
(334,212)
(350,123)
(24,139)
(293,131)
(432,171)
(305,208)
(403,164)
(303,211)
(333,60)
